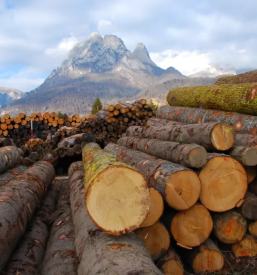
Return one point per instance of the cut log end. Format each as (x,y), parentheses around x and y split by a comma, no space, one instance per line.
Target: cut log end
(193,226)
(246,248)
(224,183)
(156,208)
(250,156)
(156,238)
(183,189)
(253,229)
(119,200)
(223,136)
(251,173)
(197,157)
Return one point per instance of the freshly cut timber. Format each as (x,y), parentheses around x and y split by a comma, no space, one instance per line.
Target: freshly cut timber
(156,239)
(251,173)
(179,186)
(157,122)
(229,227)
(189,227)
(93,244)
(206,257)
(18,201)
(246,140)
(223,183)
(212,136)
(247,247)
(170,263)
(188,155)
(29,254)
(60,255)
(156,208)
(249,206)
(10,174)
(228,97)
(241,123)
(248,77)
(246,155)
(253,229)
(117,195)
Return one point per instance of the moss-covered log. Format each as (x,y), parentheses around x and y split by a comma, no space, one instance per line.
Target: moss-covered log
(170,263)
(60,255)
(206,257)
(29,254)
(248,77)
(99,252)
(245,155)
(11,173)
(18,201)
(223,183)
(188,155)
(241,123)
(228,97)
(117,195)
(179,186)
(212,136)
(229,227)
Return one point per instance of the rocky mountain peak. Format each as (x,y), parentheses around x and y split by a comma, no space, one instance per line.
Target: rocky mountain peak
(142,54)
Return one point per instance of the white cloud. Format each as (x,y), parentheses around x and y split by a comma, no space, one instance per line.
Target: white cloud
(105,27)
(21,83)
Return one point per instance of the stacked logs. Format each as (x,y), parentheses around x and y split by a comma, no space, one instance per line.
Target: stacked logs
(202,172)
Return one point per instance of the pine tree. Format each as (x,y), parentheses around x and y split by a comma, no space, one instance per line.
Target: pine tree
(97,105)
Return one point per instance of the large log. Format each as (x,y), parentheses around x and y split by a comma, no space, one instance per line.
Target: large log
(170,263)
(241,123)
(60,255)
(10,174)
(246,155)
(18,201)
(10,156)
(206,257)
(249,206)
(212,136)
(248,77)
(179,186)
(117,185)
(190,227)
(29,254)
(246,140)
(188,155)
(228,97)
(247,247)
(116,254)
(223,183)
(229,227)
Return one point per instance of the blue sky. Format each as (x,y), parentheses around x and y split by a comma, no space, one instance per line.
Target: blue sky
(192,36)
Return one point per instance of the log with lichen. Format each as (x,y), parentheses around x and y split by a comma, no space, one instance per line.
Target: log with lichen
(96,250)
(247,77)
(228,97)
(112,183)
(241,123)
(179,186)
(188,155)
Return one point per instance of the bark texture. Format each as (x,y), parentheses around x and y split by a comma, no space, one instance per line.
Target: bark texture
(60,256)
(228,97)
(171,180)
(158,122)
(105,174)
(241,123)
(248,77)
(28,256)
(11,173)
(188,155)
(246,155)
(9,157)
(99,252)
(212,136)
(246,140)
(18,201)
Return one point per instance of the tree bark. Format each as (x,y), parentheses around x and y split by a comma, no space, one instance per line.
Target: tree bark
(247,247)
(232,97)
(248,77)
(229,227)
(60,255)
(125,192)
(170,263)
(158,122)
(246,155)
(246,140)
(10,156)
(223,183)
(98,252)
(188,155)
(18,201)
(29,254)
(241,123)
(249,207)
(206,257)
(10,174)
(212,136)
(156,239)
(179,186)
